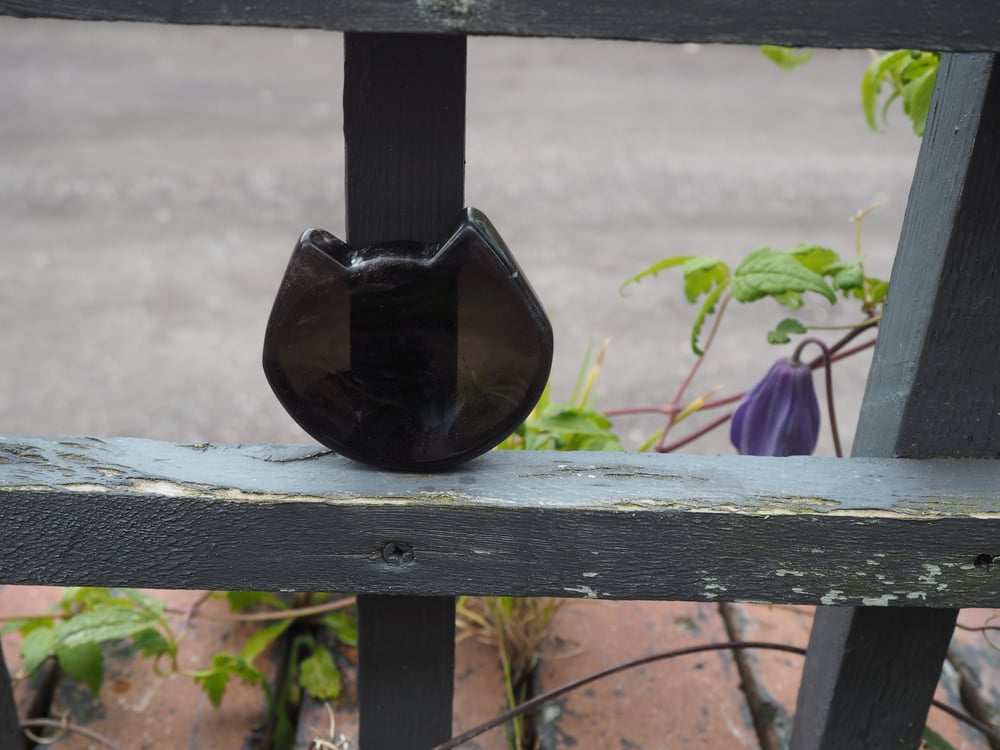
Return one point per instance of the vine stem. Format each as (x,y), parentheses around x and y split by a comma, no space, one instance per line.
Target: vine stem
(65,726)
(830,408)
(824,360)
(551,695)
(673,406)
(277,614)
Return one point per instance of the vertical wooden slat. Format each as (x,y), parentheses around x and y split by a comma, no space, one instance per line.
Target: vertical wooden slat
(933,391)
(404,128)
(10,730)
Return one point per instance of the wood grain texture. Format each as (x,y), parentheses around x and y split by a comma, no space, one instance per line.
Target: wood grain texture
(958,25)
(624,526)
(932,391)
(404,134)
(406,667)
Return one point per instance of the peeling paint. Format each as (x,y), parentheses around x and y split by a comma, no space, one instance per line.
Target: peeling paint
(589,575)
(785,572)
(878,601)
(587,591)
(162,487)
(833,596)
(82,487)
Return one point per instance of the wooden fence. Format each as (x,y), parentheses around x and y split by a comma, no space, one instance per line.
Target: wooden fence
(894,539)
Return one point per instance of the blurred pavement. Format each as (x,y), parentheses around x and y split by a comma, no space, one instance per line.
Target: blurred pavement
(154,179)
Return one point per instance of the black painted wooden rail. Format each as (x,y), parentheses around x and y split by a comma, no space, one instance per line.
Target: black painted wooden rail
(895,538)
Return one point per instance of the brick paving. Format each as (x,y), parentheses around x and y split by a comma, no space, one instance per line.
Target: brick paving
(699,701)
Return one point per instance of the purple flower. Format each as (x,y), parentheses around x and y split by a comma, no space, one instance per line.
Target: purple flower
(780,416)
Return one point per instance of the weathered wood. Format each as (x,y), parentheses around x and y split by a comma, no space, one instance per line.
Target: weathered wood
(406,666)
(10,729)
(960,25)
(404,137)
(932,391)
(624,526)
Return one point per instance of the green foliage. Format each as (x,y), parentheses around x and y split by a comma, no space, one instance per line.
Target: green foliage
(934,741)
(782,275)
(907,75)
(575,426)
(769,273)
(93,616)
(782,333)
(319,675)
(344,626)
(787,58)
(89,617)
(213,680)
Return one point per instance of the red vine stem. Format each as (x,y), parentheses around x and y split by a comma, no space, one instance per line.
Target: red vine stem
(673,406)
(831,410)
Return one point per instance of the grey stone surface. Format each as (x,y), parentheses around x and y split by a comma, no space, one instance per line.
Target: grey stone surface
(153,181)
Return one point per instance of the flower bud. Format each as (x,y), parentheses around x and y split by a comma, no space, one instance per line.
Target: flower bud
(780,415)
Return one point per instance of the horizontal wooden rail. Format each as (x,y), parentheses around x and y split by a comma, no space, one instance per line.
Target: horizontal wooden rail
(954,25)
(129,512)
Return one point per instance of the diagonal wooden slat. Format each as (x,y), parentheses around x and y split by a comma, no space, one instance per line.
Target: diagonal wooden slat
(958,25)
(625,526)
(932,392)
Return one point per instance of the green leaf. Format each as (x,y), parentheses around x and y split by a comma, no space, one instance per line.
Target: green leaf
(791,300)
(26,625)
(911,75)
(319,675)
(84,663)
(151,604)
(102,625)
(781,334)
(847,276)
(767,273)
(243,599)
(653,270)
(815,257)
(871,83)
(574,421)
(214,680)
(707,308)
(934,741)
(36,647)
(701,274)
(151,643)
(878,289)
(263,638)
(918,90)
(344,626)
(787,58)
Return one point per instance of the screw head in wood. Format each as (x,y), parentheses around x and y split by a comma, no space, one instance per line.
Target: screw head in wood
(397,553)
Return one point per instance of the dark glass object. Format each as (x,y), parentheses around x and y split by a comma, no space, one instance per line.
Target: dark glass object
(408,356)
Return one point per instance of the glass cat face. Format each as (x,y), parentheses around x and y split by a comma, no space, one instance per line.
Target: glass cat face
(408,356)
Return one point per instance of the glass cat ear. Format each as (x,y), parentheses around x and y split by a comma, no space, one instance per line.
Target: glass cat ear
(408,356)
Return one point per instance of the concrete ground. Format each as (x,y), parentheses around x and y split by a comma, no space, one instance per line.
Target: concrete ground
(153,180)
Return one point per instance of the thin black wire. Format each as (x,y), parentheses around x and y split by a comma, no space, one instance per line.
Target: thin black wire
(539,700)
